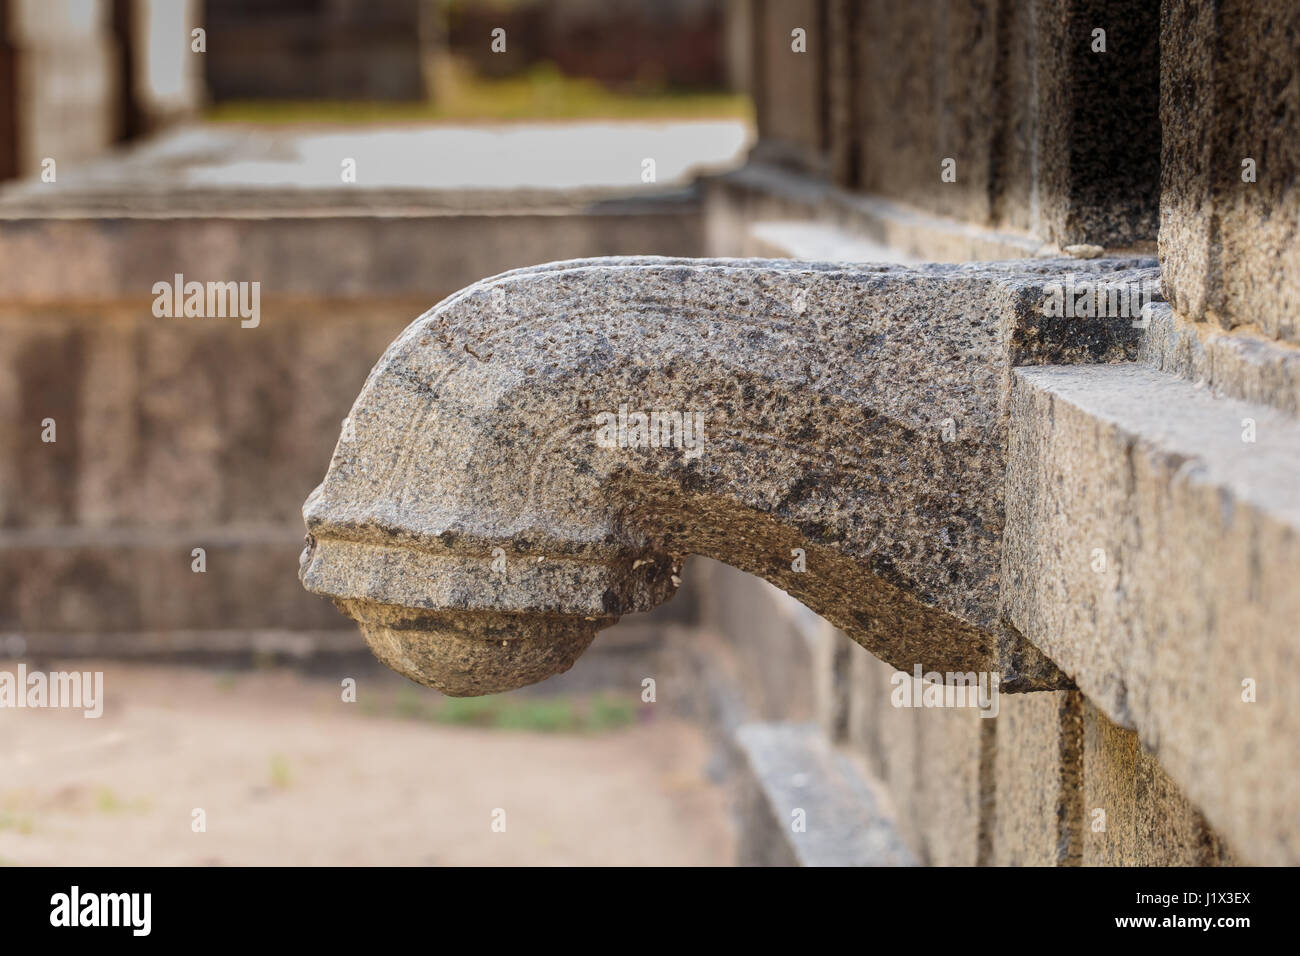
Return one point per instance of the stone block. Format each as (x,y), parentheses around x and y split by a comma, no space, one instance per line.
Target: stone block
(777,665)
(928,760)
(1228,249)
(790,83)
(1152,553)
(1049,135)
(927,78)
(1097,159)
(804,805)
(1037,780)
(1133,813)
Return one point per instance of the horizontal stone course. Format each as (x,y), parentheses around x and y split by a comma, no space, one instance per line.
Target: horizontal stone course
(1152,553)
(1133,814)
(805,805)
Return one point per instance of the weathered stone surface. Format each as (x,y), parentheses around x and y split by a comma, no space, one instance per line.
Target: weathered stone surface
(1238,365)
(1133,814)
(1048,135)
(1228,247)
(1096,163)
(1153,554)
(788,91)
(1023,788)
(852,412)
(927,87)
(1037,786)
(776,669)
(736,202)
(931,761)
(807,806)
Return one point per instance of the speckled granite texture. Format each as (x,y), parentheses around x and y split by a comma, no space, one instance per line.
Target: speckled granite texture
(474,526)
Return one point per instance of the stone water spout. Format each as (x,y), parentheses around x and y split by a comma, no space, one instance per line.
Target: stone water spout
(537,455)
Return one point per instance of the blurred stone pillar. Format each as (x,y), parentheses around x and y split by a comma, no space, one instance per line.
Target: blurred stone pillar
(165,74)
(8,99)
(789,79)
(1230,200)
(64,63)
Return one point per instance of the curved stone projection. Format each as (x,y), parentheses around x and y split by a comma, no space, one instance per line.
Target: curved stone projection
(536,456)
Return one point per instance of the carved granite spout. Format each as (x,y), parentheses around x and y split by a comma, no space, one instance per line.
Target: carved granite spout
(537,455)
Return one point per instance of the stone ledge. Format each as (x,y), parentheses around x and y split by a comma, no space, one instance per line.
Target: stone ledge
(298,645)
(789,767)
(315,256)
(763,192)
(1200,535)
(261,170)
(1240,365)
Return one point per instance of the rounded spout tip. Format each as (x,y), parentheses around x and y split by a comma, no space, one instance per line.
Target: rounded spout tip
(472,653)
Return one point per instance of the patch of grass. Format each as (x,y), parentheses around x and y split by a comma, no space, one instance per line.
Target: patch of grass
(17,822)
(545,715)
(536,714)
(541,94)
(107,801)
(579,713)
(608,713)
(281,776)
(409,702)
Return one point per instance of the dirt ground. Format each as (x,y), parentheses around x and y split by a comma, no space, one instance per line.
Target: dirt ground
(288,773)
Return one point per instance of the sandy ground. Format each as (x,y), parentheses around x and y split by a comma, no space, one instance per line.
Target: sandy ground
(287,773)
